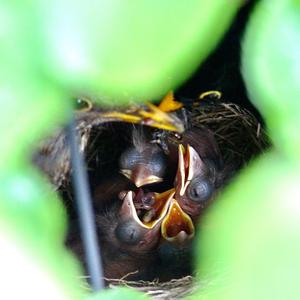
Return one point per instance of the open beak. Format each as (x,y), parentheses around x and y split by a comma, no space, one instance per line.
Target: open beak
(160,206)
(190,165)
(150,223)
(165,217)
(177,226)
(141,175)
(166,213)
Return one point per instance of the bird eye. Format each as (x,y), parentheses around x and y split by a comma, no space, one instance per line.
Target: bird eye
(158,163)
(83,104)
(200,190)
(129,158)
(128,233)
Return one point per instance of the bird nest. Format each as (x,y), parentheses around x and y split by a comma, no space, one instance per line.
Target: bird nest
(173,289)
(237,131)
(239,134)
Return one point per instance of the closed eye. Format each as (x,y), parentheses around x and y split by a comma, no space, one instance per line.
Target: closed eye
(200,190)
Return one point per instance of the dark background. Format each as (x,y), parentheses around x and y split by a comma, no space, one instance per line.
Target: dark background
(221,71)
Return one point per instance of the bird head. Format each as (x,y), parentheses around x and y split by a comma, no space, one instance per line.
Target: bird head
(143,163)
(139,226)
(195,181)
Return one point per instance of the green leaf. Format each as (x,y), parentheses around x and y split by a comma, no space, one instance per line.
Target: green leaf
(271,68)
(118,293)
(124,50)
(250,243)
(31,104)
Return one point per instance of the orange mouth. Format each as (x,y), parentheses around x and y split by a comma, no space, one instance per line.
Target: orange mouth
(159,208)
(151,217)
(177,226)
(166,209)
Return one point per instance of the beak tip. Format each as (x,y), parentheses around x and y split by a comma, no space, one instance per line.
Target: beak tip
(139,182)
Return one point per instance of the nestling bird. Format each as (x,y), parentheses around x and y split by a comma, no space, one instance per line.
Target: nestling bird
(200,170)
(196,181)
(147,235)
(198,177)
(195,187)
(143,162)
(194,170)
(127,248)
(128,242)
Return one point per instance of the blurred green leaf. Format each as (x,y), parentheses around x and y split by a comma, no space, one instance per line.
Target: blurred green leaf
(29,203)
(271,67)
(128,50)
(118,293)
(250,243)
(30,103)
(27,274)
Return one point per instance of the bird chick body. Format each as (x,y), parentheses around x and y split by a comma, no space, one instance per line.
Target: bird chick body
(121,256)
(124,253)
(202,159)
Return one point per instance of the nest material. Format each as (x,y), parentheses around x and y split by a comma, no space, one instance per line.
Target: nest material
(240,137)
(173,289)
(53,156)
(239,134)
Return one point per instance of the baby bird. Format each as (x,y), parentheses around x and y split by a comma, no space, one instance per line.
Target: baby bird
(128,245)
(200,171)
(143,162)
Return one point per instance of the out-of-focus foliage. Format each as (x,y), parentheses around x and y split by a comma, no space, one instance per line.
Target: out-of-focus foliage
(250,239)
(30,102)
(119,293)
(26,272)
(124,50)
(271,68)
(249,248)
